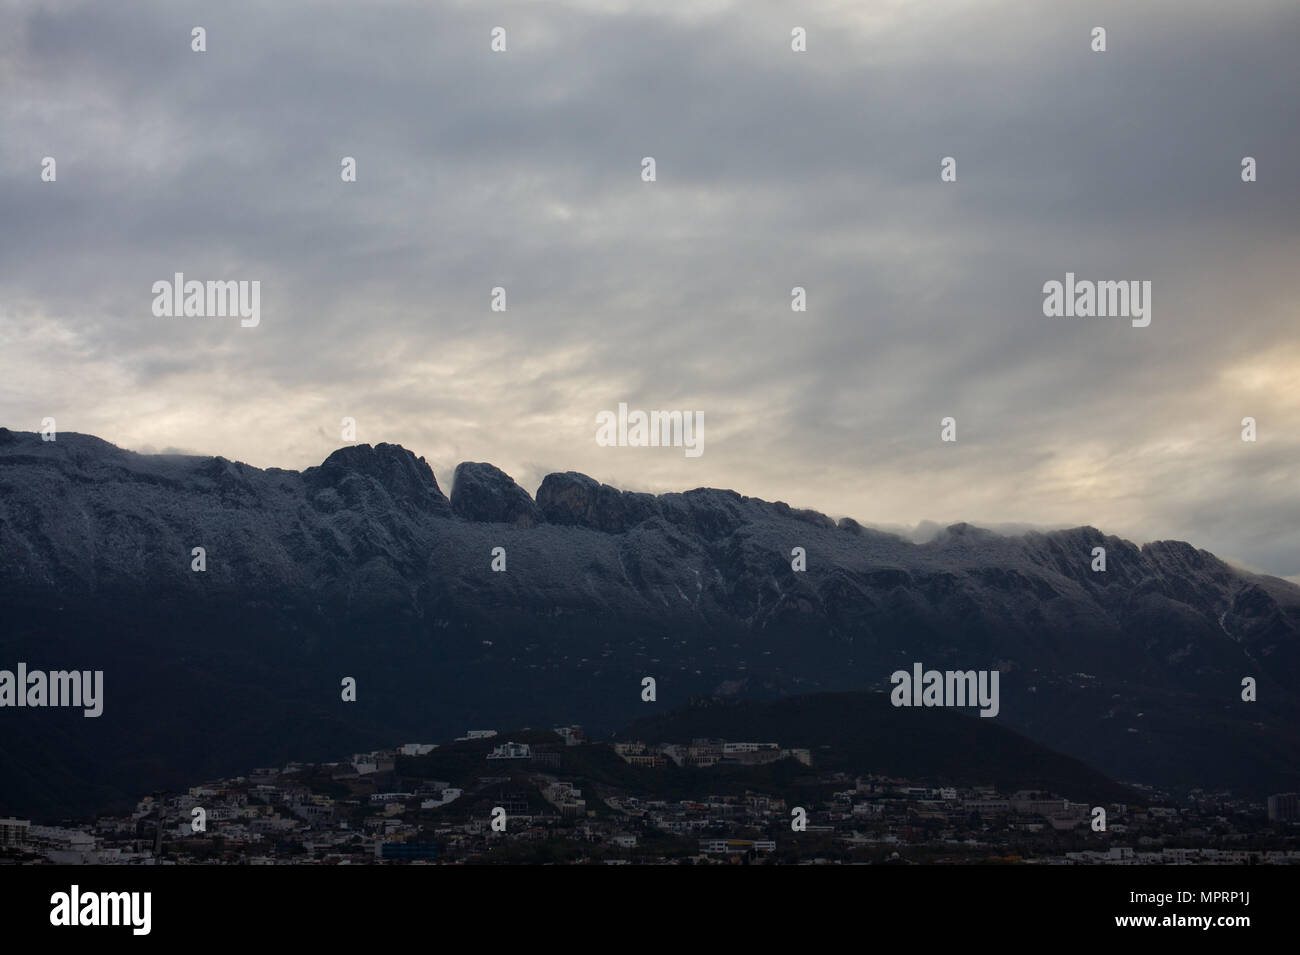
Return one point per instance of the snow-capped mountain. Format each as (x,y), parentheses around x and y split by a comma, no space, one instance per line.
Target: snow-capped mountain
(363,568)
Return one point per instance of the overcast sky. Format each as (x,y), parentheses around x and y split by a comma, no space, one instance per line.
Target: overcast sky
(820,169)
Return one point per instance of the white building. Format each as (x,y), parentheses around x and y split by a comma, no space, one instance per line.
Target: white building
(450,794)
(512,750)
(416,749)
(13,832)
(720,846)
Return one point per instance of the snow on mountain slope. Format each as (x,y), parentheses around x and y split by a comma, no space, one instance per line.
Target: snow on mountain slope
(365,555)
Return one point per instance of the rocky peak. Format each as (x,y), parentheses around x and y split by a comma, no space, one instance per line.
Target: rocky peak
(483,492)
(575,499)
(404,477)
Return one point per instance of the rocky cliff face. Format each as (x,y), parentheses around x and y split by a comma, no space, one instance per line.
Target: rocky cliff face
(364,566)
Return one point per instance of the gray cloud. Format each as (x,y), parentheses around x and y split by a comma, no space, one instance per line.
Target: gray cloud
(775,169)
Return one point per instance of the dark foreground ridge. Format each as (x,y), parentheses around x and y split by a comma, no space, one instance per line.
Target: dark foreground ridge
(860,733)
(363,568)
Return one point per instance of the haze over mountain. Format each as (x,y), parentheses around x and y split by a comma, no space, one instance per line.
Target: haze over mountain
(362,567)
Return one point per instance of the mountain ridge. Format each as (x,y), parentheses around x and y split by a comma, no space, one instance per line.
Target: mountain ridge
(363,566)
